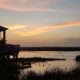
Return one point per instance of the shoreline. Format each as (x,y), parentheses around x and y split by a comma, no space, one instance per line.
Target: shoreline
(39,59)
(49,48)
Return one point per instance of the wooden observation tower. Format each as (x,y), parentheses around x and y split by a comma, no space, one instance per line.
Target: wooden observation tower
(3,35)
(7,51)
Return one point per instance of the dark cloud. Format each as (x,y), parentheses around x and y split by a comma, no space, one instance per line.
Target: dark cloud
(71,42)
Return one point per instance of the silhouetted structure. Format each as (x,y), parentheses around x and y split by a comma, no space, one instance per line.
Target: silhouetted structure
(2,35)
(7,50)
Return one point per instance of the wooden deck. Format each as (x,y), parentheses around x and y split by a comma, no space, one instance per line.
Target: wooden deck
(7,51)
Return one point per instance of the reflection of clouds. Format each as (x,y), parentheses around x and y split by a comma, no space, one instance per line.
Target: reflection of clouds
(41,67)
(34,54)
(52,65)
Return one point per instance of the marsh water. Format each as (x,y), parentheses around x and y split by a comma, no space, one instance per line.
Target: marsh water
(12,73)
(41,67)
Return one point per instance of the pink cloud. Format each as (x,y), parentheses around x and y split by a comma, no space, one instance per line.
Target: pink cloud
(29,5)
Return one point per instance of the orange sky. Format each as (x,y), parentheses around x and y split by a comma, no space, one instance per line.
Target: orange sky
(41,22)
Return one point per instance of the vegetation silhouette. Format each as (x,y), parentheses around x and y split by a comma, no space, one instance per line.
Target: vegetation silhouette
(55,74)
(49,48)
(77,58)
(8,72)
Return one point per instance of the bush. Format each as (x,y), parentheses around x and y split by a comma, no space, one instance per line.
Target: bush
(77,58)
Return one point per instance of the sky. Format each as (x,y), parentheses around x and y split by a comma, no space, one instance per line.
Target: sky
(41,22)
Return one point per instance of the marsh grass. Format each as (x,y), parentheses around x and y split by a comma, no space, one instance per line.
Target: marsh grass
(55,74)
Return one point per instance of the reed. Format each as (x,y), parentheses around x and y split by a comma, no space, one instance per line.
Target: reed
(55,74)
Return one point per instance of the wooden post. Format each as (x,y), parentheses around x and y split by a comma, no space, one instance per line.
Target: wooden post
(4,36)
(0,35)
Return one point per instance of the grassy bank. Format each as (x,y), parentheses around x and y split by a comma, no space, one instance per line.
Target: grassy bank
(56,74)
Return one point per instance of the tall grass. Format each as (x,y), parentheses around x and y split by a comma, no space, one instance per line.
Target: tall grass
(55,74)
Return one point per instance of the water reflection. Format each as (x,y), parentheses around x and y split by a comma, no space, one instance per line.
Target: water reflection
(49,54)
(41,67)
(13,73)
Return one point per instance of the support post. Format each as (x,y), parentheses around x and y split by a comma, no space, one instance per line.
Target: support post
(4,36)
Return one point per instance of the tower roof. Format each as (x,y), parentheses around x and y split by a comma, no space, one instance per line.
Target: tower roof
(3,28)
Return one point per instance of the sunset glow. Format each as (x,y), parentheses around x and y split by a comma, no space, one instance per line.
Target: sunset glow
(41,22)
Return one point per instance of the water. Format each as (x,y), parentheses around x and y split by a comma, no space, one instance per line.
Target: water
(49,54)
(41,67)
(12,73)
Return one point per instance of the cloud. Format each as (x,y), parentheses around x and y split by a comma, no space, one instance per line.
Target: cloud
(72,42)
(16,27)
(26,3)
(29,5)
(32,31)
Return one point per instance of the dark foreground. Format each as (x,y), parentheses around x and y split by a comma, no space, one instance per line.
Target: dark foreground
(78,58)
(12,73)
(56,74)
